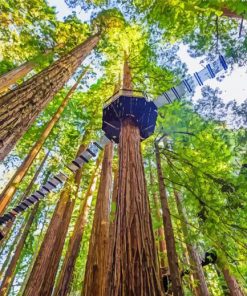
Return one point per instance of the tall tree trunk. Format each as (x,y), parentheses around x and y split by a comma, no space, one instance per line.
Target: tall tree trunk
(42,277)
(160,232)
(12,76)
(35,253)
(222,282)
(12,186)
(52,268)
(134,268)
(66,274)
(36,279)
(169,235)
(201,285)
(233,285)
(112,221)
(97,260)
(20,237)
(7,280)
(20,107)
(26,193)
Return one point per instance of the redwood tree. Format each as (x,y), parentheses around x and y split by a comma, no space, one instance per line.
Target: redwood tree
(9,225)
(12,186)
(20,107)
(12,76)
(232,283)
(97,260)
(42,277)
(134,266)
(160,231)
(66,274)
(201,285)
(169,234)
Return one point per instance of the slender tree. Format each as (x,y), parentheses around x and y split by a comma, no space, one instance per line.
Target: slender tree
(20,107)
(40,282)
(160,231)
(66,274)
(26,193)
(20,236)
(11,77)
(14,75)
(134,266)
(169,234)
(232,283)
(35,251)
(97,260)
(36,278)
(195,262)
(112,220)
(11,187)
(8,277)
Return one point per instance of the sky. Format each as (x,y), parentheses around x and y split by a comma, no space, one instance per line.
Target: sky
(232,87)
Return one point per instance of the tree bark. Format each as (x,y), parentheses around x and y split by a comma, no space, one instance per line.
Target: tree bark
(8,277)
(36,279)
(35,253)
(66,274)
(11,187)
(233,286)
(42,277)
(112,219)
(198,274)
(12,76)
(97,260)
(134,268)
(22,234)
(26,193)
(160,232)
(169,234)
(20,107)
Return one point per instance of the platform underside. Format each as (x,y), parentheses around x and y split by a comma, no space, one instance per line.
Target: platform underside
(143,112)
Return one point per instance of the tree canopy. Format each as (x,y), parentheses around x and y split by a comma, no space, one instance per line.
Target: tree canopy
(201,139)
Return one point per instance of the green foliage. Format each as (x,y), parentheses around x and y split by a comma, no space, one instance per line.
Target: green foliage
(203,158)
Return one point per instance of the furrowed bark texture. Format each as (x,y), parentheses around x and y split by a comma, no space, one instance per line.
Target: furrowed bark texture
(39,270)
(134,268)
(42,277)
(12,76)
(35,254)
(26,193)
(97,260)
(169,234)
(20,107)
(112,220)
(198,274)
(23,233)
(51,271)
(8,277)
(66,274)
(127,79)
(160,232)
(12,186)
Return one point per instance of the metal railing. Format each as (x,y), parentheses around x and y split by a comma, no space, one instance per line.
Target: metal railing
(124,92)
